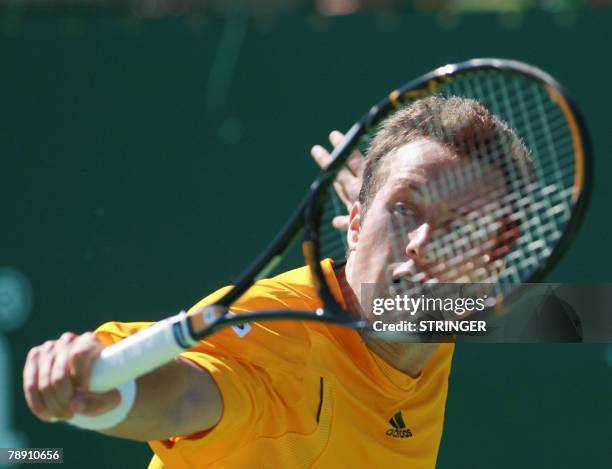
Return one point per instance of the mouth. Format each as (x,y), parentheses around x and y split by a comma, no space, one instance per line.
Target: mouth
(408,272)
(399,271)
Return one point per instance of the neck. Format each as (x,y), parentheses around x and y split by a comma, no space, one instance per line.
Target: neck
(409,358)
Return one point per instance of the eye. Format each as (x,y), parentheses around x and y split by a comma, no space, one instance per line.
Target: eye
(448,215)
(454,225)
(403,210)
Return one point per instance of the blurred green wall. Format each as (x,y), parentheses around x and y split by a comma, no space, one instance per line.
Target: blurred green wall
(113,134)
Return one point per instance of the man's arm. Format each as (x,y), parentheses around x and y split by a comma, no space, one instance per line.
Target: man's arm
(179,398)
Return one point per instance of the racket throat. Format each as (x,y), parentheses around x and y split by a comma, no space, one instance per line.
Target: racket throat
(204,319)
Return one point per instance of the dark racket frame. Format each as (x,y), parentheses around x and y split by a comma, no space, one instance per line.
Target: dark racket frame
(163,341)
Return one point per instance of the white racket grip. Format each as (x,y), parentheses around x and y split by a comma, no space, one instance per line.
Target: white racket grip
(141,353)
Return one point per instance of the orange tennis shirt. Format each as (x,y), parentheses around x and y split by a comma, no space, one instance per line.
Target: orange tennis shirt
(301,395)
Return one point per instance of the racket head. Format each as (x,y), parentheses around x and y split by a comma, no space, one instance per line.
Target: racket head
(533,209)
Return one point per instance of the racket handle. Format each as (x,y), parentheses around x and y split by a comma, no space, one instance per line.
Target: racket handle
(141,353)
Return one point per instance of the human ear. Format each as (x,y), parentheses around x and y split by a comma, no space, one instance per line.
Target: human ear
(354,226)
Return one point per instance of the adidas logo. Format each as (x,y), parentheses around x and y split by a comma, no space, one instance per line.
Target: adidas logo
(399,429)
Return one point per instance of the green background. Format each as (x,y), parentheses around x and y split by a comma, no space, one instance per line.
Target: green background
(144,163)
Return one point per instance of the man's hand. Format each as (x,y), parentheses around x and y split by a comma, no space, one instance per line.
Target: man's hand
(179,398)
(348,181)
(56,378)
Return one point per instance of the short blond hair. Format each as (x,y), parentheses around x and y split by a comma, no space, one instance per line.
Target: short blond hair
(461,124)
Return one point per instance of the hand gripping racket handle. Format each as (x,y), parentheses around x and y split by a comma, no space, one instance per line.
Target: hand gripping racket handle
(141,353)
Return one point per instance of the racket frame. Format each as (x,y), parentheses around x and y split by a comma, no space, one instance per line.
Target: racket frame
(182,332)
(425,86)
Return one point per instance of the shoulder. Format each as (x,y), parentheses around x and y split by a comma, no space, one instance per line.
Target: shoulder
(290,290)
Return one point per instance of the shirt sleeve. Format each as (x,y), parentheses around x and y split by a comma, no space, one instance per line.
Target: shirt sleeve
(257,371)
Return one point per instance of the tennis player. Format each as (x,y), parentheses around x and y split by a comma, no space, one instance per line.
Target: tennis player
(288,394)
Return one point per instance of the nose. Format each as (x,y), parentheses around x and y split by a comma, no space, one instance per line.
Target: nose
(417,243)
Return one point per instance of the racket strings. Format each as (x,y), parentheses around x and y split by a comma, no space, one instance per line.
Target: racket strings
(334,243)
(473,267)
(528,109)
(501,238)
(477,248)
(525,203)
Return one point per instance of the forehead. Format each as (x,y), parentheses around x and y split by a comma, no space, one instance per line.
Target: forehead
(414,164)
(429,172)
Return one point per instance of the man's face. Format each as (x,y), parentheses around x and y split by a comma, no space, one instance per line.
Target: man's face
(417,223)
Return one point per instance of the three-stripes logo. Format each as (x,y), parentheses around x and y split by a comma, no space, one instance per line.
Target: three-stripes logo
(399,429)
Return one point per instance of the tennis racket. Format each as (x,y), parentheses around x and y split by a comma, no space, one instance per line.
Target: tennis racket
(507,206)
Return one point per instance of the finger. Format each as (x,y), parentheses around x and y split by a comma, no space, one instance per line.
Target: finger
(89,403)
(45,385)
(341,222)
(30,385)
(85,349)
(347,187)
(323,159)
(62,387)
(345,176)
(339,188)
(321,156)
(335,137)
(355,161)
